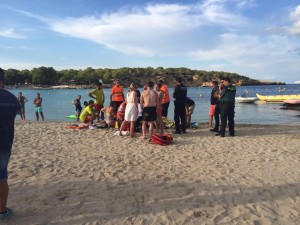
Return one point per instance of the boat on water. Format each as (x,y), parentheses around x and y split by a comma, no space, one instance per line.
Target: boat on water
(245,99)
(291,104)
(276,98)
(297,82)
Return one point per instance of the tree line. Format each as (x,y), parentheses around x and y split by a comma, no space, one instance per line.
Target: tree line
(49,76)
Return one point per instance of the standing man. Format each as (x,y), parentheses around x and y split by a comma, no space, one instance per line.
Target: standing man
(9,106)
(22,100)
(149,101)
(117,96)
(165,102)
(78,106)
(98,95)
(38,106)
(179,94)
(227,104)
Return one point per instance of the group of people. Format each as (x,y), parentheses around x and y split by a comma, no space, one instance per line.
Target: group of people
(38,106)
(148,108)
(222,106)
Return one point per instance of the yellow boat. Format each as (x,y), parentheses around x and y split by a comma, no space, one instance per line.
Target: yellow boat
(276,98)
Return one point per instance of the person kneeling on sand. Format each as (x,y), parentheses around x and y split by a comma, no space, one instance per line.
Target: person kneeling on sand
(88,114)
(109,114)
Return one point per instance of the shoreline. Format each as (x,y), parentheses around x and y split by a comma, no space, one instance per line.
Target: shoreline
(64,176)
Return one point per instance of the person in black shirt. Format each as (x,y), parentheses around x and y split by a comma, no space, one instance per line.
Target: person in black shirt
(78,107)
(189,109)
(9,106)
(179,95)
(213,104)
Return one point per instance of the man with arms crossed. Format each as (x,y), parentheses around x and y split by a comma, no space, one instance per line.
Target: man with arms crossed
(9,106)
(148,101)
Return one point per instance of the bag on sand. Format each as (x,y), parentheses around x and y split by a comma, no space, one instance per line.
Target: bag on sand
(161,139)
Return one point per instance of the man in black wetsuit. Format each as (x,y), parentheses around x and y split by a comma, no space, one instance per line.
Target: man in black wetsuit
(179,95)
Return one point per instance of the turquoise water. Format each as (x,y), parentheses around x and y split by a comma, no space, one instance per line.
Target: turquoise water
(57,104)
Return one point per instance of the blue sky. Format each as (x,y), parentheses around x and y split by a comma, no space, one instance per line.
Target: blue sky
(255,38)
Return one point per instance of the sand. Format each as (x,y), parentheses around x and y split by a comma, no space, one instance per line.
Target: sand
(64,176)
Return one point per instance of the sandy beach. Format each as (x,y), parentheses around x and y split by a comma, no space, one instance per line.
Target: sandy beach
(64,176)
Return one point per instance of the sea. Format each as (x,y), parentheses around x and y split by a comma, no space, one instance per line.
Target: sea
(57,104)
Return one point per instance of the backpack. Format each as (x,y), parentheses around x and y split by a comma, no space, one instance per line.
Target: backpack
(161,139)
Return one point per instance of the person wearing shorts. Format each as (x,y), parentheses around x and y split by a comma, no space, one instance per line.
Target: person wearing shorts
(38,106)
(9,107)
(189,109)
(117,96)
(98,95)
(165,102)
(149,101)
(87,115)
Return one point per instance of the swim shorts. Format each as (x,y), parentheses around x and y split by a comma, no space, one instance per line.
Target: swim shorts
(149,114)
(4,159)
(38,109)
(98,107)
(212,110)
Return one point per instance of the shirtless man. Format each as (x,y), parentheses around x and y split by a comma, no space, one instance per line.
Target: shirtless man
(38,106)
(149,101)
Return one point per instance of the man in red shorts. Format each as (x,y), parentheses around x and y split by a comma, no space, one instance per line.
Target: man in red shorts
(98,95)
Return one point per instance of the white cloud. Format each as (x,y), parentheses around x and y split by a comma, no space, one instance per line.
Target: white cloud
(153,30)
(10,33)
(295,16)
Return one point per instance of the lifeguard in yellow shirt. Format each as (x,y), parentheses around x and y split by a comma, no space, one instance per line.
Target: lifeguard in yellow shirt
(88,115)
(98,95)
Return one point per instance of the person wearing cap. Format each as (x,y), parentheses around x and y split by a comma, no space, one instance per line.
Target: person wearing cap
(9,106)
(98,95)
(117,95)
(165,102)
(179,95)
(88,114)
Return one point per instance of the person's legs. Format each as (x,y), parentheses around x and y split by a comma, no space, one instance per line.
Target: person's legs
(42,115)
(122,126)
(37,116)
(217,118)
(176,118)
(4,159)
(4,189)
(231,120)
(144,129)
(132,128)
(151,128)
(182,118)
(224,115)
